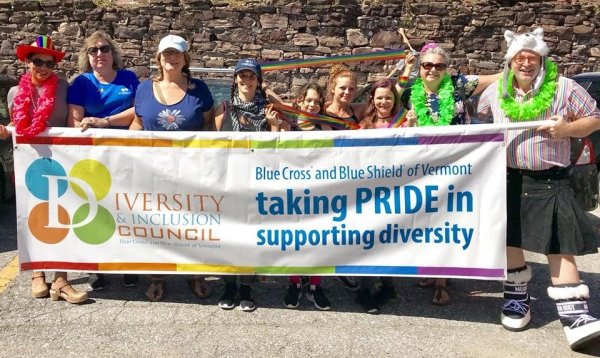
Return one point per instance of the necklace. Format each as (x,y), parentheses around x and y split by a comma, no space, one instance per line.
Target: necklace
(386,117)
(32,118)
(425,117)
(537,104)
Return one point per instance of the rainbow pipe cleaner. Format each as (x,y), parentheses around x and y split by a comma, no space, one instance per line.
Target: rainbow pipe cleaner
(399,118)
(302,116)
(323,61)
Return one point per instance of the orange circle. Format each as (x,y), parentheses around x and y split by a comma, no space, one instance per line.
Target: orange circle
(38,220)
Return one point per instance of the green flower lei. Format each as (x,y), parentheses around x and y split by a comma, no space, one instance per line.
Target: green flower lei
(418,98)
(537,104)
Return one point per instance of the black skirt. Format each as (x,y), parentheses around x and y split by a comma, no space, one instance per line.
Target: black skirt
(543,215)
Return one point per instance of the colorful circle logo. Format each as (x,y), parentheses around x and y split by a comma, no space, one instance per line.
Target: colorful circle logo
(49,221)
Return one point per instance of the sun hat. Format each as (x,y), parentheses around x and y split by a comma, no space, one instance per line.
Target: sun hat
(43,45)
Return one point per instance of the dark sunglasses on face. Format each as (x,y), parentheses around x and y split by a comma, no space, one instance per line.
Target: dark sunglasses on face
(38,62)
(94,50)
(438,66)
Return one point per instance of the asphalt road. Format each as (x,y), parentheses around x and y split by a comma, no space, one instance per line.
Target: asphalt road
(119,322)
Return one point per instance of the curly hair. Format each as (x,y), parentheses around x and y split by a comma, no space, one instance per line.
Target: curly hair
(336,72)
(90,41)
(370,116)
(304,91)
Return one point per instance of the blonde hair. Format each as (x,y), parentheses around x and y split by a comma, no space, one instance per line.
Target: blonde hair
(160,74)
(336,72)
(90,41)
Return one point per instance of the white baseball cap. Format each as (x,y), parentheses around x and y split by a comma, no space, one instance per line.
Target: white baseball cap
(173,41)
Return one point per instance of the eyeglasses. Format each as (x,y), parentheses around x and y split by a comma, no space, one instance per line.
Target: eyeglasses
(438,66)
(94,50)
(520,59)
(38,62)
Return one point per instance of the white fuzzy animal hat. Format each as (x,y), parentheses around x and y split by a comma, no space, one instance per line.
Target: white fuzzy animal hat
(532,41)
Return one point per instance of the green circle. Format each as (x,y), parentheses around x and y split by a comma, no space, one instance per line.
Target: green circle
(99,230)
(95,174)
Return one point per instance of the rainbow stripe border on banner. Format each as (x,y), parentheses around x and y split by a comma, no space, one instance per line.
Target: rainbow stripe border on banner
(323,61)
(265,270)
(264,144)
(191,268)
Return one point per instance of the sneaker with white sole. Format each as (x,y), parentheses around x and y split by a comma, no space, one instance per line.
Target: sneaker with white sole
(246,298)
(367,302)
(317,296)
(130,280)
(292,297)
(99,283)
(227,301)
(515,315)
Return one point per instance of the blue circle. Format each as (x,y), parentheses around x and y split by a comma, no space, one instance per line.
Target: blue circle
(37,183)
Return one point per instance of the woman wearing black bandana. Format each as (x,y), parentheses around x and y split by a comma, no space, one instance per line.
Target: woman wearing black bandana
(246,110)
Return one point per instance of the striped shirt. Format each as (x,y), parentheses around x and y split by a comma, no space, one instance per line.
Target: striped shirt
(533,150)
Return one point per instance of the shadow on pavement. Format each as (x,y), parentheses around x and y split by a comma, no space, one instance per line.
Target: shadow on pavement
(8,226)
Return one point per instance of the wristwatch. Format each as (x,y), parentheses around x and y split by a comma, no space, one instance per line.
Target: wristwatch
(107,119)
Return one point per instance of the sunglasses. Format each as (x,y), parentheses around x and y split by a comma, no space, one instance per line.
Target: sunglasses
(38,62)
(438,66)
(94,50)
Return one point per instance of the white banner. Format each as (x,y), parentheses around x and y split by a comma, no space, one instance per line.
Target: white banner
(402,202)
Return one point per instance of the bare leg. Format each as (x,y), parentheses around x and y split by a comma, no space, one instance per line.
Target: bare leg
(563,269)
(514,257)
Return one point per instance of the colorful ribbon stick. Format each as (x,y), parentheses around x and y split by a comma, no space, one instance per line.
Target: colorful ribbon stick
(323,61)
(301,116)
(399,118)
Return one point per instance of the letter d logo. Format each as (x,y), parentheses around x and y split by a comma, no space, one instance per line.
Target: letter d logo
(53,207)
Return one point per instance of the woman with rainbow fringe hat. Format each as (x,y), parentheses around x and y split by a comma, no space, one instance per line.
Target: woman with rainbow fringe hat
(38,102)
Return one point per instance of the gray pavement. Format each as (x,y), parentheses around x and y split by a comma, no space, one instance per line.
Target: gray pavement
(119,322)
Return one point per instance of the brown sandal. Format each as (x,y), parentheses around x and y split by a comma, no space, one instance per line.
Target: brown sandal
(200,287)
(57,292)
(39,288)
(426,283)
(441,296)
(156,290)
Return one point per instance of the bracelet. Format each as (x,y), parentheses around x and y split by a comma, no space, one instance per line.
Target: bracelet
(107,119)
(402,81)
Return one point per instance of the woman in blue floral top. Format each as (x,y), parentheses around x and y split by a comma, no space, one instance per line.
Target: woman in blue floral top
(438,99)
(173,101)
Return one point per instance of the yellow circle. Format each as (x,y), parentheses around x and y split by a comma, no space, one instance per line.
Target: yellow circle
(95,174)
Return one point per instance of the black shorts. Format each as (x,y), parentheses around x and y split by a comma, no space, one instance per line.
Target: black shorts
(543,215)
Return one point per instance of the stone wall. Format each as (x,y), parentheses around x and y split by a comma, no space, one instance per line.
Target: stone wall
(279,30)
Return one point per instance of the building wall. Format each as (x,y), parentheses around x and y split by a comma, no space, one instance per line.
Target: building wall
(220,34)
